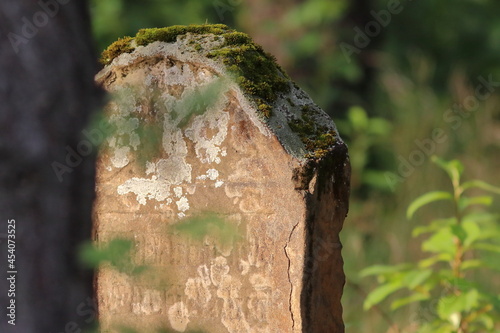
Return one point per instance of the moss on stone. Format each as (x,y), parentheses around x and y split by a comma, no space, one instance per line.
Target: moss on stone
(122,45)
(169,34)
(320,145)
(236,38)
(317,139)
(256,71)
(265,109)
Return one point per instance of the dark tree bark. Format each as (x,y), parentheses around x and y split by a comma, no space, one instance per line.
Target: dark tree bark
(47,95)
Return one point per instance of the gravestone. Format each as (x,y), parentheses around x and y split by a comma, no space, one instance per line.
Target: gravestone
(212,139)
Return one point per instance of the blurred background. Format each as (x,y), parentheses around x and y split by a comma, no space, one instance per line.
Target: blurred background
(402,79)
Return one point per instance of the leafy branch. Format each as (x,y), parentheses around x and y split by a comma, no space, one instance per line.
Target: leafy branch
(443,281)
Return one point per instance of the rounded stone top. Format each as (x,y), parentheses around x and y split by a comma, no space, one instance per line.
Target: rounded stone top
(303,129)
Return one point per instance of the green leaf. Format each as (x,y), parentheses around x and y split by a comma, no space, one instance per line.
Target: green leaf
(453,168)
(487,247)
(416,277)
(358,118)
(440,242)
(490,260)
(436,328)
(482,185)
(113,252)
(424,263)
(495,301)
(426,199)
(433,226)
(379,126)
(472,231)
(423,229)
(208,224)
(116,252)
(462,284)
(471,300)
(487,321)
(380,293)
(456,304)
(383,269)
(314,12)
(458,231)
(376,179)
(198,101)
(417,297)
(471,264)
(489,233)
(465,202)
(480,217)
(309,43)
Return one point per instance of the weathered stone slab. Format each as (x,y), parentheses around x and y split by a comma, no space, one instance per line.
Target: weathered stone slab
(238,142)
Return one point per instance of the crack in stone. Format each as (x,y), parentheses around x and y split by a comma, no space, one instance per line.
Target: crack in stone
(288,271)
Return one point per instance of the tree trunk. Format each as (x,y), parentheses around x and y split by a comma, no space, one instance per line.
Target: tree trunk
(47,94)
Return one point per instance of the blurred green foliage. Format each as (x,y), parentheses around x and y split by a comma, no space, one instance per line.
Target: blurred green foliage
(424,63)
(208,224)
(444,281)
(366,136)
(117,253)
(199,101)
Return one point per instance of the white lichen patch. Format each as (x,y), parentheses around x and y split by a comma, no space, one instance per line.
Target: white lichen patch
(150,168)
(212,174)
(146,189)
(207,147)
(178,315)
(178,191)
(174,170)
(125,138)
(182,204)
(120,156)
(164,176)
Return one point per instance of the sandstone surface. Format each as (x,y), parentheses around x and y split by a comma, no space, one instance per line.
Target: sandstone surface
(200,138)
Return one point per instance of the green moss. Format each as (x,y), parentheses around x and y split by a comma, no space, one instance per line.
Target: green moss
(320,145)
(169,34)
(255,70)
(265,110)
(317,139)
(122,45)
(237,38)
